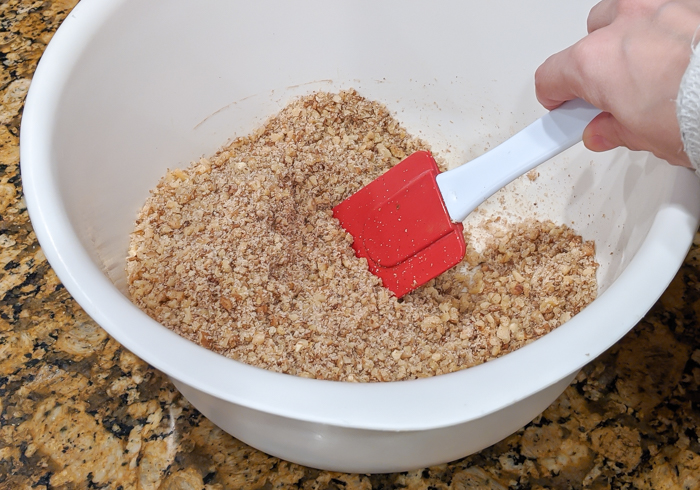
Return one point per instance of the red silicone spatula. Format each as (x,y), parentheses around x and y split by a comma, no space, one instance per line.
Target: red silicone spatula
(408,222)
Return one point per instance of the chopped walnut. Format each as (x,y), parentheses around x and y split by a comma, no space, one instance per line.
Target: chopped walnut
(241,254)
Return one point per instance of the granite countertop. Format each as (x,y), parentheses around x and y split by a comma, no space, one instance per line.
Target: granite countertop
(79,411)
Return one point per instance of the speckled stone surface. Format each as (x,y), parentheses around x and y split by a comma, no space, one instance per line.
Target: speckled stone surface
(79,411)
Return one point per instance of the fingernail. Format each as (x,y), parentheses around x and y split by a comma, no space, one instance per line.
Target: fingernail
(598,142)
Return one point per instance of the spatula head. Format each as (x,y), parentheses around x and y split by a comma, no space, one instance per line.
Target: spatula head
(400,224)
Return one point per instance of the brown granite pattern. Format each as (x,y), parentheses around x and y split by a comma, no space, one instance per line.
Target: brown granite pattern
(77,411)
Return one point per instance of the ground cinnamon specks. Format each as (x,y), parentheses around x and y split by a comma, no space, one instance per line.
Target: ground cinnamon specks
(240,253)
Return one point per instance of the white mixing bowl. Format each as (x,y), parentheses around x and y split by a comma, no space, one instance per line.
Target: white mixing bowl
(128,88)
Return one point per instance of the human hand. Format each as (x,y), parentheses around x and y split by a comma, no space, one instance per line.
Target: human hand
(630,66)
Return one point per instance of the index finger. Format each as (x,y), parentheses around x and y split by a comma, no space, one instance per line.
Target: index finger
(555,80)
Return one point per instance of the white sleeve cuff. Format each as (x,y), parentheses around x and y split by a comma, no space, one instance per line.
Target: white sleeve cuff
(688,110)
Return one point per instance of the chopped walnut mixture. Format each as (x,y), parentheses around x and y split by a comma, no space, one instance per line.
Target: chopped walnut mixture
(240,254)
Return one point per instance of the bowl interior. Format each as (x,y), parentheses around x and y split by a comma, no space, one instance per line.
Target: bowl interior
(129,89)
(142,99)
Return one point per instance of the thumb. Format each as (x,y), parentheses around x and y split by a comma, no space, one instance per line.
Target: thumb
(604,133)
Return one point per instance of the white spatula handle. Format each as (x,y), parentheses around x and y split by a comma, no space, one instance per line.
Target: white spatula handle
(467,186)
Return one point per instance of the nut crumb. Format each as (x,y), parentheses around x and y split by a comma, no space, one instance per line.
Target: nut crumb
(241,254)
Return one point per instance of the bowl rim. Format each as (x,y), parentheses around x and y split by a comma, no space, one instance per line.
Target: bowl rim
(414,405)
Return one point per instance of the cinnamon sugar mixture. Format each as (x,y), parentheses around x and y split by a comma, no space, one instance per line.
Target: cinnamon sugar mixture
(240,253)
